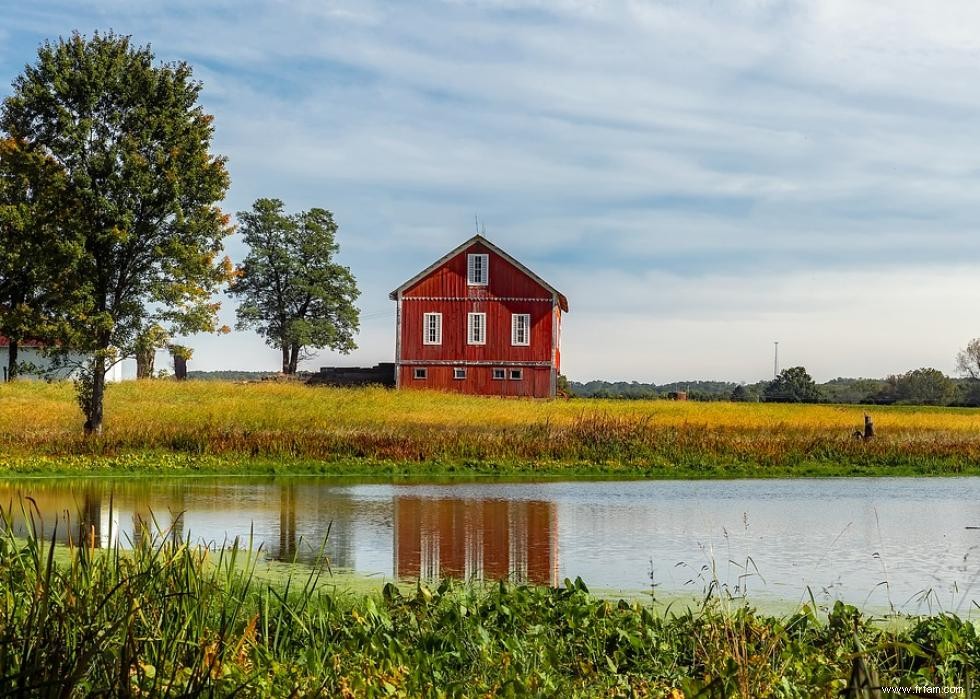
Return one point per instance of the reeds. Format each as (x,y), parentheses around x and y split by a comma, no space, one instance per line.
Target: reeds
(166,619)
(288,422)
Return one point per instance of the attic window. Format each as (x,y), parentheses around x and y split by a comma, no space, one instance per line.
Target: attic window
(477,270)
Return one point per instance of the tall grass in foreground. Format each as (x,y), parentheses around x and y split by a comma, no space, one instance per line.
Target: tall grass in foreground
(166,619)
(295,422)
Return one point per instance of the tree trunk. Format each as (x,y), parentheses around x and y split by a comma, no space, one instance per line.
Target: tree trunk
(180,368)
(285,358)
(12,359)
(293,359)
(93,421)
(144,364)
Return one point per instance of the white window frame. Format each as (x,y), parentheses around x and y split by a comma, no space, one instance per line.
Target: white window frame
(421,373)
(515,326)
(472,261)
(432,328)
(459,373)
(474,322)
(499,374)
(516,375)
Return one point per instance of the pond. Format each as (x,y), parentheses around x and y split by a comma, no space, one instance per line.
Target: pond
(903,543)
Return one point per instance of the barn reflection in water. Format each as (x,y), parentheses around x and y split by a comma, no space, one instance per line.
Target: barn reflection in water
(476,540)
(428,536)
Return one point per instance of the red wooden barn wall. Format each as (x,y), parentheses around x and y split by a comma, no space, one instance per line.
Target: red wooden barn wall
(510,290)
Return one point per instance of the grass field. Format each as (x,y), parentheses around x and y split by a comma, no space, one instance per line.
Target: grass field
(163,425)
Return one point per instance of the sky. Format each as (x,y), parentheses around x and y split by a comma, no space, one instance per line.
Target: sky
(700,178)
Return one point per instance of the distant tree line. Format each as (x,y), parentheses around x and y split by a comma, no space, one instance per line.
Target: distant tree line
(695,390)
(230,375)
(925,386)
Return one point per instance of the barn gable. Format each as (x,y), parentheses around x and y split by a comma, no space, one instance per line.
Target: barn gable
(445,265)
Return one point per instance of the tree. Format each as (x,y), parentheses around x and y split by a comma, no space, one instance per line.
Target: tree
(968,360)
(968,366)
(563,388)
(153,338)
(141,190)
(180,355)
(793,385)
(293,292)
(742,394)
(918,387)
(34,258)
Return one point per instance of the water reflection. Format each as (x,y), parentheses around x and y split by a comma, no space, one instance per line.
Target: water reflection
(430,537)
(842,539)
(476,539)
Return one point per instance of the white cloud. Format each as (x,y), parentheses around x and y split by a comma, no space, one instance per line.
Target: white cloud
(736,169)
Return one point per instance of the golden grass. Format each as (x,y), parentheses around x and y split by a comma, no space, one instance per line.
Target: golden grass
(287,419)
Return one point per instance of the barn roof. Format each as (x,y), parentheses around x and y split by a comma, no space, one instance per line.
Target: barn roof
(562,301)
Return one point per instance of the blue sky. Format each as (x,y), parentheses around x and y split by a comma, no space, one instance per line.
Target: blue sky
(700,178)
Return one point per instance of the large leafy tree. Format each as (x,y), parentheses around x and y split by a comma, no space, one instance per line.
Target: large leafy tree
(292,290)
(793,385)
(35,259)
(140,192)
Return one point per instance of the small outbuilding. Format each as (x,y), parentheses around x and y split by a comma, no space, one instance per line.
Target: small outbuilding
(478,321)
(31,353)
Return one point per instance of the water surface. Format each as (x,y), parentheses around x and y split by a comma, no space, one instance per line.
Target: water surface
(876,542)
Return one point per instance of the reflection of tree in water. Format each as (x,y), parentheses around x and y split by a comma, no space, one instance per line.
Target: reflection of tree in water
(296,516)
(96,514)
(474,539)
(324,528)
(74,515)
(287,523)
(156,514)
(90,519)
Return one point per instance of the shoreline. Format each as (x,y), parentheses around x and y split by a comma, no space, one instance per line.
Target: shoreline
(155,464)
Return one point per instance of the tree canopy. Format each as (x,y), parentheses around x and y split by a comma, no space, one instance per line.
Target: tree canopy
(924,386)
(139,193)
(292,290)
(793,385)
(35,260)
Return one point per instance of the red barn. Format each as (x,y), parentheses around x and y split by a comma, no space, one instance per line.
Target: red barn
(478,321)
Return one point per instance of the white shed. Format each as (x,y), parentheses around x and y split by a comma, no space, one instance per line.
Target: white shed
(31,352)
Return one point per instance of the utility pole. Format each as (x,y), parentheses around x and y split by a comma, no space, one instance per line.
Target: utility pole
(775,360)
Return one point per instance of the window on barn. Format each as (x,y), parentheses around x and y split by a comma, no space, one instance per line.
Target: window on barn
(432,329)
(499,374)
(421,372)
(520,329)
(516,374)
(459,372)
(477,270)
(476,328)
